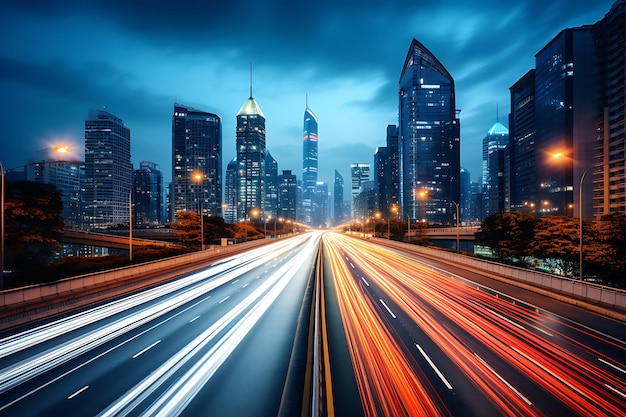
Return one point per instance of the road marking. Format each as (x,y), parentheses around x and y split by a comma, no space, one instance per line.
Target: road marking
(365,281)
(504,318)
(224,299)
(612,365)
(615,390)
(511,387)
(148,348)
(194,319)
(78,392)
(388,309)
(245,285)
(352,265)
(432,365)
(234,281)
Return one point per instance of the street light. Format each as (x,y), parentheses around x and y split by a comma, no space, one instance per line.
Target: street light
(198,178)
(457,224)
(408,224)
(394,209)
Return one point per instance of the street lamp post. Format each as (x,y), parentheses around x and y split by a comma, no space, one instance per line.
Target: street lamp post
(456,205)
(2,231)
(580,215)
(130,226)
(198,178)
(408,225)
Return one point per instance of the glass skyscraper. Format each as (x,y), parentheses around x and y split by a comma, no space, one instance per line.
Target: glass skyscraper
(429,138)
(250,142)
(494,143)
(197,161)
(309,165)
(338,203)
(108,170)
(148,194)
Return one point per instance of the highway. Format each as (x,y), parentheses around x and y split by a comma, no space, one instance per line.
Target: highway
(426,341)
(216,342)
(402,335)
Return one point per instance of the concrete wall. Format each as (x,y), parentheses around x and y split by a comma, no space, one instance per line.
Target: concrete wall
(587,291)
(18,297)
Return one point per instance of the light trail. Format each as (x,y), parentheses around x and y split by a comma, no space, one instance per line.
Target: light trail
(516,336)
(178,395)
(146,307)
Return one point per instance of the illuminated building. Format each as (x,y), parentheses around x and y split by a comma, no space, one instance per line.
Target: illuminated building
(429,138)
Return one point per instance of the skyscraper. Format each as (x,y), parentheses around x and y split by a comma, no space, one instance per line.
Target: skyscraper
(148,194)
(230,192)
(360,176)
(287,190)
(524,185)
(250,142)
(609,157)
(67,177)
(565,119)
(496,140)
(197,161)
(108,170)
(309,164)
(338,203)
(271,186)
(386,173)
(429,139)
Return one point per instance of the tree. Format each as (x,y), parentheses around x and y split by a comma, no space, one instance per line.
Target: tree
(33,224)
(605,249)
(187,226)
(510,235)
(557,243)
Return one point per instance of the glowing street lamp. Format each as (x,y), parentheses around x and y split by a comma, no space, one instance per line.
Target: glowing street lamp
(198,177)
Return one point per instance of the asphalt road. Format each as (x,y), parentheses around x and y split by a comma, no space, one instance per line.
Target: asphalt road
(216,342)
(426,339)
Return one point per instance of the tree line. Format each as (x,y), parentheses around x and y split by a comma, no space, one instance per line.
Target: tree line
(553,242)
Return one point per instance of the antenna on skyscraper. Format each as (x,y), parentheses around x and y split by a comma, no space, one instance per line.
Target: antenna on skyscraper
(250,79)
(497,114)
(306,100)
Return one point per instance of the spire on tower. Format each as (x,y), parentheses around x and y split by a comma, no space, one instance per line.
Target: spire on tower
(250,79)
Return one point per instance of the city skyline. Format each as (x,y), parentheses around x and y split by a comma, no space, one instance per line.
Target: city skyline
(140,62)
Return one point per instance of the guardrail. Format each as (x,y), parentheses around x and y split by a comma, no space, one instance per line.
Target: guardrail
(19,297)
(589,292)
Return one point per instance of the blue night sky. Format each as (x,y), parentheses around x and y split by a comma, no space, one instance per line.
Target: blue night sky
(60,58)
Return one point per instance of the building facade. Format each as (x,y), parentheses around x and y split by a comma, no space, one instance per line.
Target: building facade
(494,144)
(108,171)
(271,187)
(429,138)
(359,175)
(338,203)
(524,186)
(197,161)
(309,166)
(565,120)
(251,150)
(230,192)
(287,195)
(608,172)
(148,195)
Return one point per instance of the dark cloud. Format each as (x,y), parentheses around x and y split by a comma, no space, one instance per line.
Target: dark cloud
(60,58)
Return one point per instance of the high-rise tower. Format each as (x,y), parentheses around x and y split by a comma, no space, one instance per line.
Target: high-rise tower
(429,139)
(197,161)
(250,142)
(108,170)
(309,164)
